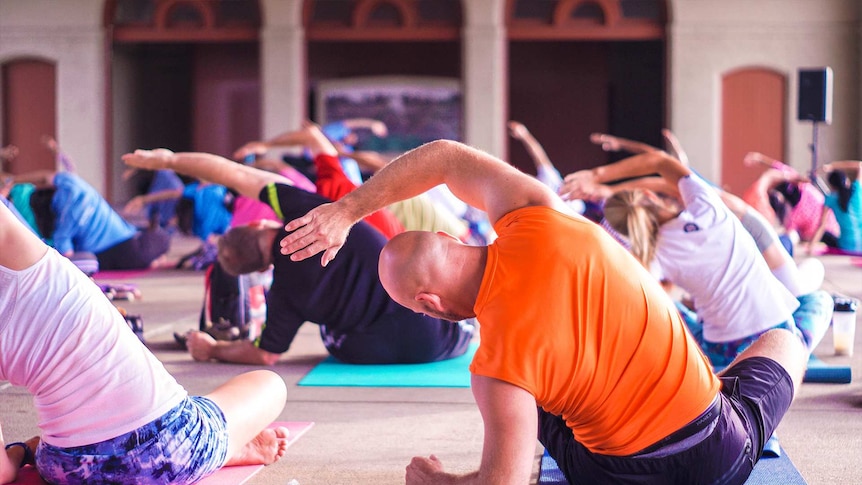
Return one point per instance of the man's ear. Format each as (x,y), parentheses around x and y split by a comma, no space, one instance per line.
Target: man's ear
(429,299)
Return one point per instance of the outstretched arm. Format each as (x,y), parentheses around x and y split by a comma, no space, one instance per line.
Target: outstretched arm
(510,418)
(752,159)
(534,148)
(246,180)
(611,143)
(545,170)
(376,126)
(845,165)
(309,136)
(136,203)
(675,146)
(475,177)
(368,160)
(40,178)
(669,168)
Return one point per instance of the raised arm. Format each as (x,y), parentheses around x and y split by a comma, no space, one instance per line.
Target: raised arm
(376,126)
(309,136)
(520,132)
(846,166)
(611,143)
(475,177)
(675,147)
(246,180)
(138,202)
(40,178)
(669,168)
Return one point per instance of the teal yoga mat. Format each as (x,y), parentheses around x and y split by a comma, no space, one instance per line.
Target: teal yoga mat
(768,471)
(446,373)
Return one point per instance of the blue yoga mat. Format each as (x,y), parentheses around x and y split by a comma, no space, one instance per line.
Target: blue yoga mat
(768,471)
(447,373)
(819,371)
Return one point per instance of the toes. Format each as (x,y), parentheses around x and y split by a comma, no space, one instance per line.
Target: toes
(281,432)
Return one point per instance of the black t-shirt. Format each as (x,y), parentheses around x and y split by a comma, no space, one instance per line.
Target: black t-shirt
(345,295)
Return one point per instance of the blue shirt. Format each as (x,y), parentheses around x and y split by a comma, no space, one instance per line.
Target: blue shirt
(84,219)
(211,213)
(850,221)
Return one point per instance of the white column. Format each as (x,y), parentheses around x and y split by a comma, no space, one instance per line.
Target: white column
(485,75)
(282,67)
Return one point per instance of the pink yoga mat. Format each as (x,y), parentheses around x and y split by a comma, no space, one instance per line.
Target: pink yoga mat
(231,475)
(119,274)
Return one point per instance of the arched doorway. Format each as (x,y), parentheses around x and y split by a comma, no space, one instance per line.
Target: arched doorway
(753,119)
(583,66)
(184,75)
(29,112)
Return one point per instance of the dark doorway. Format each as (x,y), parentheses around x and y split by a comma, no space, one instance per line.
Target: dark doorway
(565,90)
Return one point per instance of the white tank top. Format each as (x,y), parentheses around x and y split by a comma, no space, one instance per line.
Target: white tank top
(62,339)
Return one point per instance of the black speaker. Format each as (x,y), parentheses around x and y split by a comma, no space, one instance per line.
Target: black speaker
(815,95)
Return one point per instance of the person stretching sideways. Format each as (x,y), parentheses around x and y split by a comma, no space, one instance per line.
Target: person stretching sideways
(572,324)
(109,411)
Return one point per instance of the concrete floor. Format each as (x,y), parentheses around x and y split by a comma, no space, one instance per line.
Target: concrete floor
(368,435)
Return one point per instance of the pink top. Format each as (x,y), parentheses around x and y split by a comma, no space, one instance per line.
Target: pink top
(804,218)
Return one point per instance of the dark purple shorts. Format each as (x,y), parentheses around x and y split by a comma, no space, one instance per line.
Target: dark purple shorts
(755,394)
(137,252)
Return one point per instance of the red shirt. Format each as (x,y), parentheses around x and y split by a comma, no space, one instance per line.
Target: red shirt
(333,184)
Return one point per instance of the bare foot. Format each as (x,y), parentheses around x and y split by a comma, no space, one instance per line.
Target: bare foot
(266,448)
(164,261)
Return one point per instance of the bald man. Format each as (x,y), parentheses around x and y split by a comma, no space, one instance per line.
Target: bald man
(571,323)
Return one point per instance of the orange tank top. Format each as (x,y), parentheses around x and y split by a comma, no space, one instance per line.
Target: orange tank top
(569,315)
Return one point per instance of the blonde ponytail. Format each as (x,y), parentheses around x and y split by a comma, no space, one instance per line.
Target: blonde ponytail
(634,215)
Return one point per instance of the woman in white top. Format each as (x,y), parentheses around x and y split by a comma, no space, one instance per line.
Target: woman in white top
(108,410)
(704,249)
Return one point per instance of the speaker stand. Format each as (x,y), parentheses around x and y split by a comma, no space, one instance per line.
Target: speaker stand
(813,147)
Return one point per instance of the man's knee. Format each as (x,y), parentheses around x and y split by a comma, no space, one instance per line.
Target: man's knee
(785,348)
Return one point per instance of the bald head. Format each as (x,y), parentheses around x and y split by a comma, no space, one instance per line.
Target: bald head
(430,273)
(406,261)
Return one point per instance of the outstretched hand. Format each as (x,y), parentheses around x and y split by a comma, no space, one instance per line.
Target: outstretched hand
(517,130)
(752,159)
(423,471)
(149,159)
(609,143)
(322,229)
(583,185)
(250,148)
(134,205)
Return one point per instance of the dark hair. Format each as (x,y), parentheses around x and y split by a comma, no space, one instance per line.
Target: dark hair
(185,211)
(791,192)
(838,182)
(239,251)
(778,202)
(40,202)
